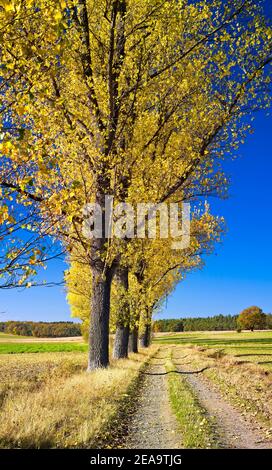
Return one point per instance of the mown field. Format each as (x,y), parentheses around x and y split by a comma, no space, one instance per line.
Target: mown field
(250,346)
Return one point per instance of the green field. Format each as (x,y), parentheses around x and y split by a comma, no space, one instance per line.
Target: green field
(14,344)
(42,347)
(249,346)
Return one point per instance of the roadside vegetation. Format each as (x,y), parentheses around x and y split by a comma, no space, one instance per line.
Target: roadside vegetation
(247,386)
(66,407)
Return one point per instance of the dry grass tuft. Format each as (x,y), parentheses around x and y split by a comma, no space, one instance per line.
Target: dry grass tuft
(215,353)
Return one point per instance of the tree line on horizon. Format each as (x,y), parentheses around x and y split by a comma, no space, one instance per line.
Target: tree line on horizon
(216,323)
(41,329)
(141,101)
(251,318)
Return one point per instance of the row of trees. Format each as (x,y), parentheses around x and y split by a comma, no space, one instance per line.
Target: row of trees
(137,100)
(249,319)
(41,329)
(215,323)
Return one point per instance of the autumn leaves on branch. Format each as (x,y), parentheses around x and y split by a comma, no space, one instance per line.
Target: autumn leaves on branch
(140,100)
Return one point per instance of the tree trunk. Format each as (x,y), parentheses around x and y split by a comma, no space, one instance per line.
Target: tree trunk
(145,337)
(133,341)
(99,321)
(121,339)
(120,348)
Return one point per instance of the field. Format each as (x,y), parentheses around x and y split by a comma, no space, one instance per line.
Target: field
(36,347)
(213,388)
(48,400)
(11,344)
(249,346)
(4,337)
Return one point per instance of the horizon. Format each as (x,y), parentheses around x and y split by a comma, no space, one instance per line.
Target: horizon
(77,321)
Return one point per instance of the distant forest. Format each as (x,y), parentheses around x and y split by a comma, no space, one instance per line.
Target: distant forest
(41,329)
(65,329)
(216,323)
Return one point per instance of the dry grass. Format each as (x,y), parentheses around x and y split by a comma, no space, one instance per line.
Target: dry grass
(19,372)
(253,347)
(247,385)
(55,406)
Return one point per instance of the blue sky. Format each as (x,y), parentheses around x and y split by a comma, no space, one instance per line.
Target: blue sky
(237,275)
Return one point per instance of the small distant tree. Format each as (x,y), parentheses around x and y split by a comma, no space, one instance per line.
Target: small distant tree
(252,318)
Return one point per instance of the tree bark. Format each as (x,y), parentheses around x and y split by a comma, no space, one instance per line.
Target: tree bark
(101,288)
(133,341)
(121,339)
(120,349)
(99,321)
(145,337)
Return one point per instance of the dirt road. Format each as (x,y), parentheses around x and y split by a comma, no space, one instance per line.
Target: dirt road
(153,425)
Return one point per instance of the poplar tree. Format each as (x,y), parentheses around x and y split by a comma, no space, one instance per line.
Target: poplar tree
(135,99)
